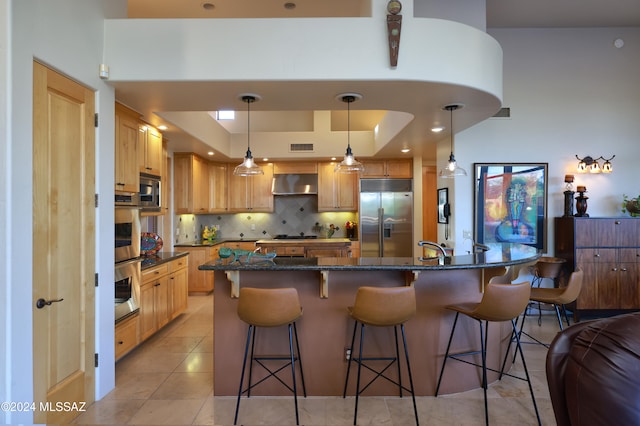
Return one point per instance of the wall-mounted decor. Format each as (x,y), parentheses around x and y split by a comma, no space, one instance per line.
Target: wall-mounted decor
(511,203)
(443,205)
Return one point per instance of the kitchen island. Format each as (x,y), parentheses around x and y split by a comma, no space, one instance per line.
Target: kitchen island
(328,285)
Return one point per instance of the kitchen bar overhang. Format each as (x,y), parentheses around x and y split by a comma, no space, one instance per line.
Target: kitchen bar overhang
(499,255)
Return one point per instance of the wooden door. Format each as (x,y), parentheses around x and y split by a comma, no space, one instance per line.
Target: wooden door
(63,243)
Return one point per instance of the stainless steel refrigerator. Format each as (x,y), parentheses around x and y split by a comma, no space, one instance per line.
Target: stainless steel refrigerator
(386,218)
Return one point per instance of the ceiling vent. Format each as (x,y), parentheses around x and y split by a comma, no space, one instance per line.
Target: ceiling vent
(301,147)
(503,113)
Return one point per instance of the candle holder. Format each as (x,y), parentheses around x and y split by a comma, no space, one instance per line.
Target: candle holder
(581,202)
(568,203)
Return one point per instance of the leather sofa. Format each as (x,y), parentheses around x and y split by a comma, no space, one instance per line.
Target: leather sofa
(593,372)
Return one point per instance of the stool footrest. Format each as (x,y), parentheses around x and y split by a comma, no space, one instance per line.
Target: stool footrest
(379,373)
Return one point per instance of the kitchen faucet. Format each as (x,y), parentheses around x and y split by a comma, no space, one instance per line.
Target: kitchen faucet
(435,246)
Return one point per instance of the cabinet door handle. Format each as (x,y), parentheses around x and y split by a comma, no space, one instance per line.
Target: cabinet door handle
(121,342)
(596,255)
(617,222)
(623,269)
(614,269)
(156,284)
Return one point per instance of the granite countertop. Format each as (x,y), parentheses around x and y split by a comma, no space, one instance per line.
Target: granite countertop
(215,242)
(305,241)
(500,254)
(160,258)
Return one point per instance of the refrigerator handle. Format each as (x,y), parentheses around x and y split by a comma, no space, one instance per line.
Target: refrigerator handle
(380,232)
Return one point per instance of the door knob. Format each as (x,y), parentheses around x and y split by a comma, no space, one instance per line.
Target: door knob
(41,303)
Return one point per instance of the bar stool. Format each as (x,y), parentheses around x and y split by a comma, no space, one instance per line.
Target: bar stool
(382,307)
(558,297)
(546,267)
(500,302)
(270,308)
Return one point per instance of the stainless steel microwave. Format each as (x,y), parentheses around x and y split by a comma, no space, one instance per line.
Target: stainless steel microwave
(149,196)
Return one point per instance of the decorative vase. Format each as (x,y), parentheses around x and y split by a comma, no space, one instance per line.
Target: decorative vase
(581,205)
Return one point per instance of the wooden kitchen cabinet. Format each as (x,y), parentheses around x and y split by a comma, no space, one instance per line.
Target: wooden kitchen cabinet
(218,188)
(191,184)
(608,251)
(295,167)
(200,281)
(339,247)
(402,168)
(126,336)
(336,191)
(154,306)
(149,150)
(251,193)
(163,295)
(178,286)
(127,175)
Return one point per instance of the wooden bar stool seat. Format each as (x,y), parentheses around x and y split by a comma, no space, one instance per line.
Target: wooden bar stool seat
(270,308)
(382,307)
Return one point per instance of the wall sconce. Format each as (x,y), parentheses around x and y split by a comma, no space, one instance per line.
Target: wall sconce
(591,165)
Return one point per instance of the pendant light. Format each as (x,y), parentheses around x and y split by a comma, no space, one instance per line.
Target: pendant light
(349,164)
(452,169)
(248,166)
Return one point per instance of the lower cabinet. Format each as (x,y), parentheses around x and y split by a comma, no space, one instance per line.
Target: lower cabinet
(163,295)
(200,281)
(126,336)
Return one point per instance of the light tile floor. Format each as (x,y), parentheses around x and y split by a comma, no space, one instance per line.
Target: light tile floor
(168,380)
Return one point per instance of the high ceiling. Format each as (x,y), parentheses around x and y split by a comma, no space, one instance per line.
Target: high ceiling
(500,13)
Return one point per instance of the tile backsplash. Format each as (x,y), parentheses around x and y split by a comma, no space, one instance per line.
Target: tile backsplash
(293,215)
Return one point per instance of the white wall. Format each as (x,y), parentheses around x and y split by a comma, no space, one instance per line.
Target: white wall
(66,35)
(571,92)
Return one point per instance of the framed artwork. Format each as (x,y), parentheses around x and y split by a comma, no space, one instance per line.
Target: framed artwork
(443,205)
(511,203)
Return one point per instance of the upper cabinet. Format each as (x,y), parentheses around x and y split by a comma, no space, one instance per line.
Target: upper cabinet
(251,193)
(218,188)
(127,175)
(388,169)
(149,150)
(336,191)
(295,167)
(191,184)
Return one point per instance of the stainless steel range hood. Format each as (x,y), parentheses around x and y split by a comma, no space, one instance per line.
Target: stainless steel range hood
(295,184)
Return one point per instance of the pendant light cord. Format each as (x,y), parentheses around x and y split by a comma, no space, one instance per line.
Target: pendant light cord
(248,100)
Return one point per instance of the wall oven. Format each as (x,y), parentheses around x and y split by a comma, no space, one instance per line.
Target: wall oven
(127,288)
(127,233)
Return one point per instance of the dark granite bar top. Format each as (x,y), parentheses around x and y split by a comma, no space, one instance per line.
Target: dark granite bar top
(500,254)
(160,258)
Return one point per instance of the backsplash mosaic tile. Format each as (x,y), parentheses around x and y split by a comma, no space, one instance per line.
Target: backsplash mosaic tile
(293,215)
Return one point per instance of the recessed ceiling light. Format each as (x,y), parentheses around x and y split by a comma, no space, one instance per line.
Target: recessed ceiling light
(405,150)
(210,153)
(289,5)
(265,159)
(437,129)
(333,158)
(162,127)
(208,6)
